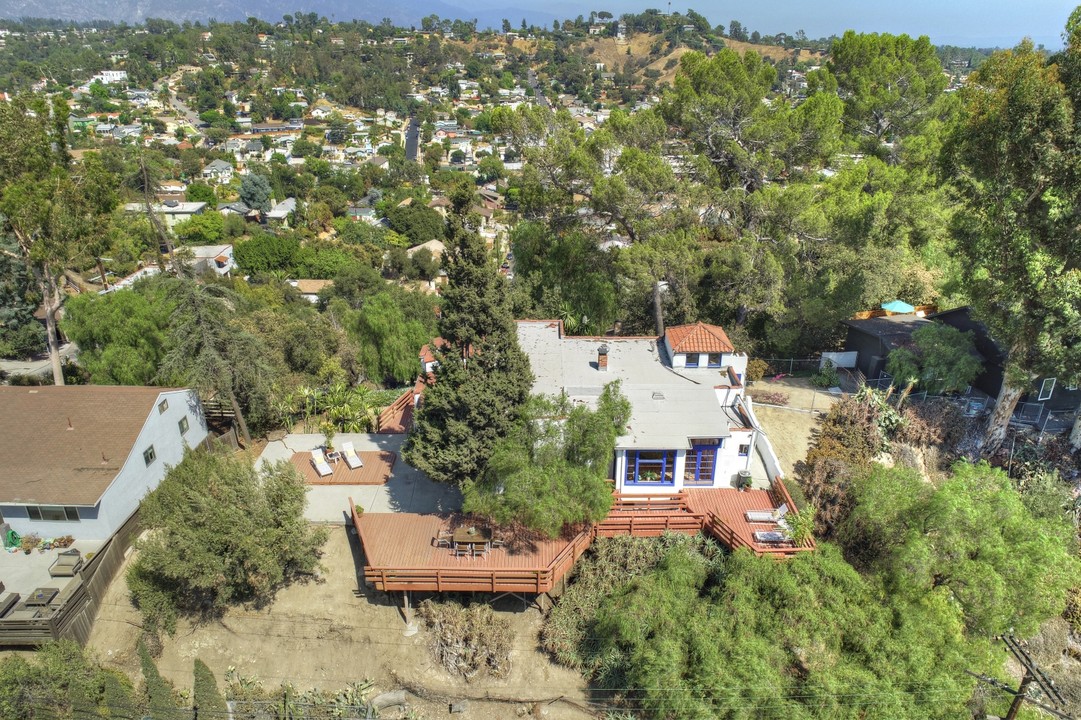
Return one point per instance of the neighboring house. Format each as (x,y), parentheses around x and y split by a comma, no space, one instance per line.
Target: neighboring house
(690,426)
(212,258)
(171,212)
(78,459)
(435,247)
(218,172)
(310,289)
(874,338)
(1056,394)
(279,214)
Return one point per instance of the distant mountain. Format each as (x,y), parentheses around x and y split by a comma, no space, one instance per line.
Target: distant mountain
(400,12)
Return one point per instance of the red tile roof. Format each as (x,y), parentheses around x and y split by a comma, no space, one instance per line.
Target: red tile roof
(65,445)
(698,338)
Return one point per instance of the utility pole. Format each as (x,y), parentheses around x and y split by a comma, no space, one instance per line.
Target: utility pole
(1033,674)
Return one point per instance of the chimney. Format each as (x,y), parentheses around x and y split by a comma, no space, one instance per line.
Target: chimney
(658,310)
(602,358)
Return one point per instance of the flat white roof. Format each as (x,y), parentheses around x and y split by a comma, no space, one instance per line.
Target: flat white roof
(668,406)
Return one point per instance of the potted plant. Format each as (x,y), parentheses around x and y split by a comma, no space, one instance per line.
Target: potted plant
(29,542)
(359,509)
(648,476)
(329,431)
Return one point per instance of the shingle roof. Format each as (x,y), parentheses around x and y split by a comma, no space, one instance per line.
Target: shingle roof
(698,338)
(65,445)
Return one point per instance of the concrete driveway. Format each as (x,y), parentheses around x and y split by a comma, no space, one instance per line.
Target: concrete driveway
(408,490)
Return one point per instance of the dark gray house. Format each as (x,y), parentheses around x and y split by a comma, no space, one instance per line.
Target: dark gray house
(1056,394)
(873,339)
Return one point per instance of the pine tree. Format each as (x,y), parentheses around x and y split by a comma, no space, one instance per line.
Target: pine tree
(208,699)
(483,378)
(160,697)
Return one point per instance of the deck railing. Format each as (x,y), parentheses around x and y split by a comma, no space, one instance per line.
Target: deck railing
(398,406)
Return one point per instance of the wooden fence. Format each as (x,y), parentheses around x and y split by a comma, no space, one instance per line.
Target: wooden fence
(74,609)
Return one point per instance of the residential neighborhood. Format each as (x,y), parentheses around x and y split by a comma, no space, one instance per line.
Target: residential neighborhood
(635,365)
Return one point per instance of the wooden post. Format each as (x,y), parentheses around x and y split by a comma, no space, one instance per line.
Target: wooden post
(1019,698)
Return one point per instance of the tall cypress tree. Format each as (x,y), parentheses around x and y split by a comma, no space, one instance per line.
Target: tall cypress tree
(483,378)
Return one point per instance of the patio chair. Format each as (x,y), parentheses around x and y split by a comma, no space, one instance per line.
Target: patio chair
(768,516)
(321,465)
(350,455)
(441,542)
(771,536)
(66,564)
(462,550)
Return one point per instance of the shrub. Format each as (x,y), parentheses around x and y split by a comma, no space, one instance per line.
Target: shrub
(220,533)
(207,698)
(827,376)
(468,641)
(770,397)
(757,369)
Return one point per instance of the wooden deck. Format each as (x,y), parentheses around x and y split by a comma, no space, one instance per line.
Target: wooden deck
(725,518)
(400,554)
(376,470)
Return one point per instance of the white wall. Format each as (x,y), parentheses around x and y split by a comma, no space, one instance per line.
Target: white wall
(135,478)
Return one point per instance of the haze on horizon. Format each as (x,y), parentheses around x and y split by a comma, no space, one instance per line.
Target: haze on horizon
(983,23)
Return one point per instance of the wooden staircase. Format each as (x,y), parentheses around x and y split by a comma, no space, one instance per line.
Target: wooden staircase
(649,516)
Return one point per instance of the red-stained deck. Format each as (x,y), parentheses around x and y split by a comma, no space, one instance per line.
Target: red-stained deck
(400,551)
(377,467)
(725,512)
(401,555)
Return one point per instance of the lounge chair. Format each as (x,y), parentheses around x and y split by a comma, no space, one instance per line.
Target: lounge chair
(321,465)
(350,455)
(66,564)
(768,516)
(771,536)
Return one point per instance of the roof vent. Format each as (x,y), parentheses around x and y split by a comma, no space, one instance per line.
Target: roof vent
(657,395)
(171,203)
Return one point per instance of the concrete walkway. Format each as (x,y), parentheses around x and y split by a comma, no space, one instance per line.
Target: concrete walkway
(408,490)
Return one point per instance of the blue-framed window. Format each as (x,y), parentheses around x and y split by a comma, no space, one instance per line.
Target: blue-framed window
(744,449)
(651,467)
(713,360)
(692,360)
(701,463)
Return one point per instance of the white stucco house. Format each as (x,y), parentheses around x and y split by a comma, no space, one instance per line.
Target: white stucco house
(79,459)
(690,425)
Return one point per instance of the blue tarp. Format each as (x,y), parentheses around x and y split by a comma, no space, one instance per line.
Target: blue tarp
(898,306)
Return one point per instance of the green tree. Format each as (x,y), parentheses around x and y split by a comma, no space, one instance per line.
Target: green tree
(552,472)
(482,380)
(389,341)
(20,333)
(221,532)
(942,359)
(207,228)
(209,351)
(206,697)
(49,209)
(122,336)
(255,191)
(889,82)
(417,222)
(971,538)
(1017,169)
(265,253)
(159,693)
(201,192)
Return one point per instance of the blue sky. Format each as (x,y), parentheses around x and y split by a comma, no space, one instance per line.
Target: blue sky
(955,22)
